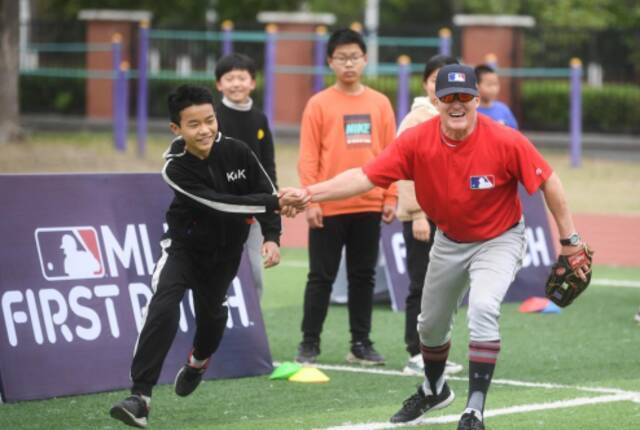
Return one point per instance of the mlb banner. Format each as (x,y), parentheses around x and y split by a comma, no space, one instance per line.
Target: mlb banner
(75,273)
(535,267)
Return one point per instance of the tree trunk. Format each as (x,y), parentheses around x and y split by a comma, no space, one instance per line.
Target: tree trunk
(9,69)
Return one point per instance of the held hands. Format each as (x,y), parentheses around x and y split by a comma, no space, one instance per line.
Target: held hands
(292,201)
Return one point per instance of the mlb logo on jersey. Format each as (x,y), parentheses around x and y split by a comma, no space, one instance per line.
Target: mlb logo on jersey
(456,77)
(68,253)
(483,182)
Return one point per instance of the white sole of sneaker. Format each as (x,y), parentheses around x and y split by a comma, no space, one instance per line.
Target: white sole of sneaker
(352,359)
(127,417)
(175,381)
(446,402)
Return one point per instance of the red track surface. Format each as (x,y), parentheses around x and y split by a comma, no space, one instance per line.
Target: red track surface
(614,238)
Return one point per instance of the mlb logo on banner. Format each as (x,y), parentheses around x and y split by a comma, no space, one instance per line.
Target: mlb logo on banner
(483,182)
(69,253)
(456,77)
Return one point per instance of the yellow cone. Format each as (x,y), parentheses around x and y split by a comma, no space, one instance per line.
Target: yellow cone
(309,375)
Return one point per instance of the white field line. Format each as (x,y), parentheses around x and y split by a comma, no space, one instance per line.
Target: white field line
(613,395)
(294,263)
(615,283)
(581,401)
(600,282)
(600,390)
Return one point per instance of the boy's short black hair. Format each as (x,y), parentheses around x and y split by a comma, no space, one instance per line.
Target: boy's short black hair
(185,96)
(345,36)
(483,69)
(235,61)
(436,62)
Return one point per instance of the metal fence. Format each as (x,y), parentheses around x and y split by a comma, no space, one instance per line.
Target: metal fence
(53,72)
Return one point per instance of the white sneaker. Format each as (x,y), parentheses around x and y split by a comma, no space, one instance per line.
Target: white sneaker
(452,368)
(415,366)
(637,317)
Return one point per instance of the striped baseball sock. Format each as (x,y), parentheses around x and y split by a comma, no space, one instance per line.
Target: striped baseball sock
(482,362)
(435,360)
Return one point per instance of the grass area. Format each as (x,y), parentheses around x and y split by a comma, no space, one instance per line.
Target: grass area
(592,343)
(599,186)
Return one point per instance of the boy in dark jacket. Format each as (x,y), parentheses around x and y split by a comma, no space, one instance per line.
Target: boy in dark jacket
(218,183)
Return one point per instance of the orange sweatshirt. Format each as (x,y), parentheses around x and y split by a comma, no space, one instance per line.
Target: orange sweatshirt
(342,131)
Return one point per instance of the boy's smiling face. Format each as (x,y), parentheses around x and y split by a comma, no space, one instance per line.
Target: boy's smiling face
(198,127)
(236,85)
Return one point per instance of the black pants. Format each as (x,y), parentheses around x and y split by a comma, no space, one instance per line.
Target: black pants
(178,270)
(360,233)
(417,262)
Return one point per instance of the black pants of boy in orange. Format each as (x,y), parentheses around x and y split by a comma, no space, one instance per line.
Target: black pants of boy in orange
(360,234)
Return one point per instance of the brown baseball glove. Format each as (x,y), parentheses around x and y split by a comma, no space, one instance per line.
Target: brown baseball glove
(564,284)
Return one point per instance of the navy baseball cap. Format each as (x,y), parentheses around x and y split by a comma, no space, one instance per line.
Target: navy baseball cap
(454,79)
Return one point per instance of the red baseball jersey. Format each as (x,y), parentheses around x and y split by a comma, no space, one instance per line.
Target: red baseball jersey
(469,188)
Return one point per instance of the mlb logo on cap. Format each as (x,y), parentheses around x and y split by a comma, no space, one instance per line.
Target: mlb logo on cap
(456,77)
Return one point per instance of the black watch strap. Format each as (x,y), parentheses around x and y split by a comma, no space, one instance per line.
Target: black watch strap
(573,240)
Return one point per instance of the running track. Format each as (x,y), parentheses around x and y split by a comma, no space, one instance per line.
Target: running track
(614,238)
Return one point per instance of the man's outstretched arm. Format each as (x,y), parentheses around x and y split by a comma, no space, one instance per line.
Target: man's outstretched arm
(347,184)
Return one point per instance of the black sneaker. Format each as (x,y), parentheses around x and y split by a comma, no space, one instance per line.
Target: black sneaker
(362,352)
(188,378)
(469,421)
(419,403)
(132,411)
(308,351)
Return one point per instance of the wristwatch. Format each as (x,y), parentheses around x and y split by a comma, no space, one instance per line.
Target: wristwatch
(573,240)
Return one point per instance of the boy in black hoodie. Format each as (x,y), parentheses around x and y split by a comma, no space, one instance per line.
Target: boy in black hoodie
(218,183)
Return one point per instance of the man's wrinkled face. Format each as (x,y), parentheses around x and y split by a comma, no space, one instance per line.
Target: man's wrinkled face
(458,116)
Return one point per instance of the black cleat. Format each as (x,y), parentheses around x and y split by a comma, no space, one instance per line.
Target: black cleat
(469,421)
(308,351)
(419,403)
(187,379)
(362,352)
(133,411)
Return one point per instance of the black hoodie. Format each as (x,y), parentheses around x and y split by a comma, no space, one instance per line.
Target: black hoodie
(215,198)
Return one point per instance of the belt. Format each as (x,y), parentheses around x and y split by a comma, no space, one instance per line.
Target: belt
(460,241)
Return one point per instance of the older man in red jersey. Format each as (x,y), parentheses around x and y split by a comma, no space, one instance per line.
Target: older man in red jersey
(466,170)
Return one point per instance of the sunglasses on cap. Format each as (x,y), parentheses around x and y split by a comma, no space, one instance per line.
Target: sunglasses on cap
(462,97)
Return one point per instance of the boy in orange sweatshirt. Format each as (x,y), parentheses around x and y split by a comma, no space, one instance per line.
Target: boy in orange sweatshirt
(344,126)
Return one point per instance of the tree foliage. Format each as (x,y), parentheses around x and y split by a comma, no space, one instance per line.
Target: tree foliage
(9,63)
(166,13)
(576,14)
(595,14)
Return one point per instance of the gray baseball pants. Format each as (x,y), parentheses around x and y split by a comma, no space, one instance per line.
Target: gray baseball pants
(485,269)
